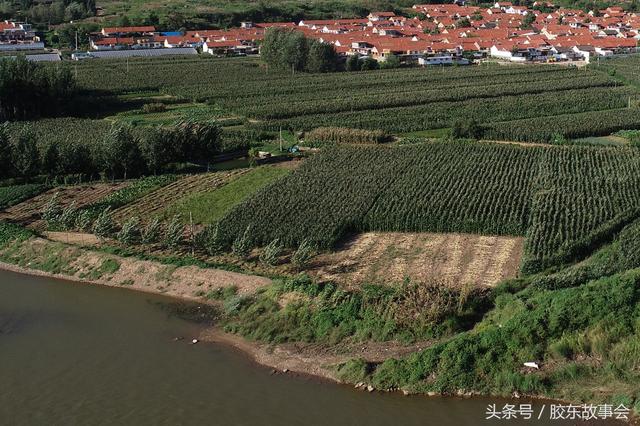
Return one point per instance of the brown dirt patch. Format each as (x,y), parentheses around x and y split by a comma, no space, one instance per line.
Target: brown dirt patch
(76,238)
(28,213)
(456,259)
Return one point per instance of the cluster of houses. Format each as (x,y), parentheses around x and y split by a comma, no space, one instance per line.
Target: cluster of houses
(436,34)
(16,36)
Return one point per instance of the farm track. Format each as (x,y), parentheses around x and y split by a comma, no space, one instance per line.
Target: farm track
(155,202)
(28,212)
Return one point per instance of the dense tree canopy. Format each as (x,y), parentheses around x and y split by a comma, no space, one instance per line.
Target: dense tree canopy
(29,90)
(119,152)
(284,48)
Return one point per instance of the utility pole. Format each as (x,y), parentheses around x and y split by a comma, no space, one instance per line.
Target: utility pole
(76,40)
(280,138)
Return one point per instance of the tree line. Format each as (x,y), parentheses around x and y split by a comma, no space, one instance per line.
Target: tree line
(30,90)
(121,152)
(288,49)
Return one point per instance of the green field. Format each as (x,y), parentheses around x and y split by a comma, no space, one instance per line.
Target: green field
(209,207)
(537,101)
(564,200)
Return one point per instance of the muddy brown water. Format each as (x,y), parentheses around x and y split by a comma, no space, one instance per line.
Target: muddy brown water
(74,354)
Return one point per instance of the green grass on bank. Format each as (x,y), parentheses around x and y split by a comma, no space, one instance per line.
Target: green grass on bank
(208,207)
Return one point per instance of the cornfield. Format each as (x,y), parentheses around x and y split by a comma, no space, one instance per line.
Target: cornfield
(565,200)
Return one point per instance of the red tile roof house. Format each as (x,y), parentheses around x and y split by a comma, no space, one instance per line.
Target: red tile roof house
(18,36)
(121,31)
(383,33)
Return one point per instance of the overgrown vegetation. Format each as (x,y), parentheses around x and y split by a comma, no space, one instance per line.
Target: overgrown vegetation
(298,309)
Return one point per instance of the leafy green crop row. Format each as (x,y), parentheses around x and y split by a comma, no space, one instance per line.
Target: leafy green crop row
(565,200)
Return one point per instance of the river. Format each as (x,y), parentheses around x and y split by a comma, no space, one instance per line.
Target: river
(75,354)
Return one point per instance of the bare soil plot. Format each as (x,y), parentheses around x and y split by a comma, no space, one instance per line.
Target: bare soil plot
(28,213)
(154,203)
(454,259)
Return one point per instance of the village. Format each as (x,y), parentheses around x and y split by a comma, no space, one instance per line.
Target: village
(437,34)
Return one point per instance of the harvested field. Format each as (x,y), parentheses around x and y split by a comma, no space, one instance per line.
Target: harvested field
(154,203)
(456,259)
(28,212)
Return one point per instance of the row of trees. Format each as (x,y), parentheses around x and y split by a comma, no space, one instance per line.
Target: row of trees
(284,48)
(171,235)
(30,90)
(119,153)
(48,13)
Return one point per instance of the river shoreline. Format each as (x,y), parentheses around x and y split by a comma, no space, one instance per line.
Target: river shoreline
(276,357)
(312,361)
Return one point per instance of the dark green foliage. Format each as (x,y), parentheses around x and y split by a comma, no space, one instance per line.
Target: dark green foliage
(287,49)
(582,196)
(322,57)
(59,147)
(545,129)
(353,63)
(119,152)
(30,90)
(430,187)
(368,64)
(5,152)
(25,159)
(466,129)
(391,61)
(396,100)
